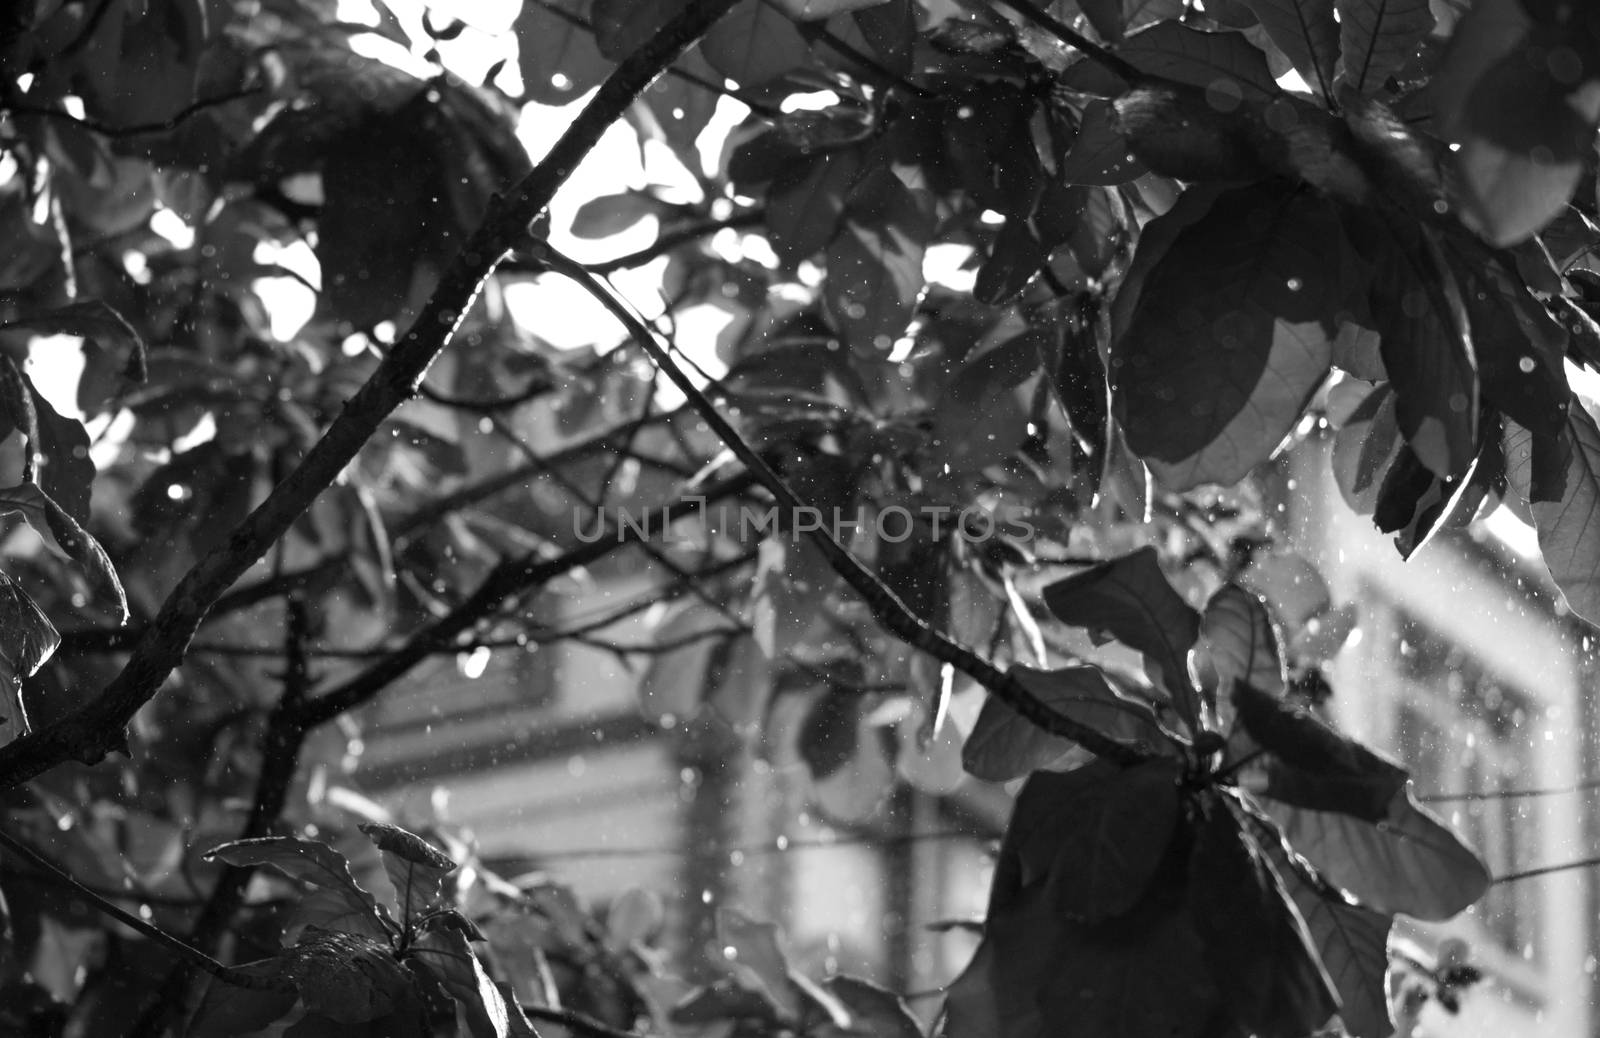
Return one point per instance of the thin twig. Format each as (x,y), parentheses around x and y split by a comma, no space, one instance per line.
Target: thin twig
(159,126)
(1582,863)
(884,603)
(192,956)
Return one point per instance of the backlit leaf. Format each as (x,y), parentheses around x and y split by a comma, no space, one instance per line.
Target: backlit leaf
(449,957)
(1004,746)
(1130,598)
(1239,642)
(415,867)
(27,639)
(751,948)
(1566,526)
(1365,447)
(612,214)
(806,200)
(1306,32)
(1410,862)
(875,264)
(1099,154)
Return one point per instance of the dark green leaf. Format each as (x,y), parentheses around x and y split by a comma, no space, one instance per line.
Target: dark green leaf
(754,43)
(1004,746)
(828,735)
(1224,64)
(1520,349)
(1156,238)
(1409,863)
(348,907)
(1306,32)
(806,200)
(874,1011)
(1308,764)
(622,26)
(875,264)
(64,537)
(448,956)
(1130,598)
(890,26)
(557,55)
(1017,256)
(1099,154)
(1208,383)
(1257,948)
(344,976)
(415,867)
(989,142)
(1566,526)
(1096,836)
(1418,310)
(1376,37)
(1105,16)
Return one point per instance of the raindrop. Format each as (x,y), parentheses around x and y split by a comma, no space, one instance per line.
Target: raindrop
(1525,365)
(1295,284)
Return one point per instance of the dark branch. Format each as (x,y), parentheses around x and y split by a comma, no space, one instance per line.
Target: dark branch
(138,129)
(884,603)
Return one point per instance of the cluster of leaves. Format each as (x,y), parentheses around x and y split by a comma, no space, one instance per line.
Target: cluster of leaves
(1172,256)
(1241,878)
(421,965)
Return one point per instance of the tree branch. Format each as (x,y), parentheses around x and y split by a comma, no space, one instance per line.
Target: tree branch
(884,603)
(509,578)
(1066,34)
(98,727)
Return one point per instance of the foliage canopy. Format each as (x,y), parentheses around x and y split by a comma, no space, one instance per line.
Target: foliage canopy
(1186,235)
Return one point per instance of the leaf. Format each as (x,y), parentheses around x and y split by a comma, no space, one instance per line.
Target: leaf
(754,43)
(1099,154)
(1365,448)
(752,951)
(1237,633)
(1311,765)
(622,26)
(415,867)
(814,10)
(1129,596)
(1208,383)
(806,200)
(829,735)
(1519,348)
(672,686)
(1426,344)
(1096,836)
(1566,526)
(874,1011)
(1409,862)
(875,264)
(97,322)
(1257,948)
(63,536)
(634,917)
(1004,745)
(1377,37)
(27,639)
(66,472)
(347,907)
(612,214)
(1352,941)
(447,955)
(1224,64)
(890,26)
(226,1011)
(1016,256)
(344,976)
(1305,30)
